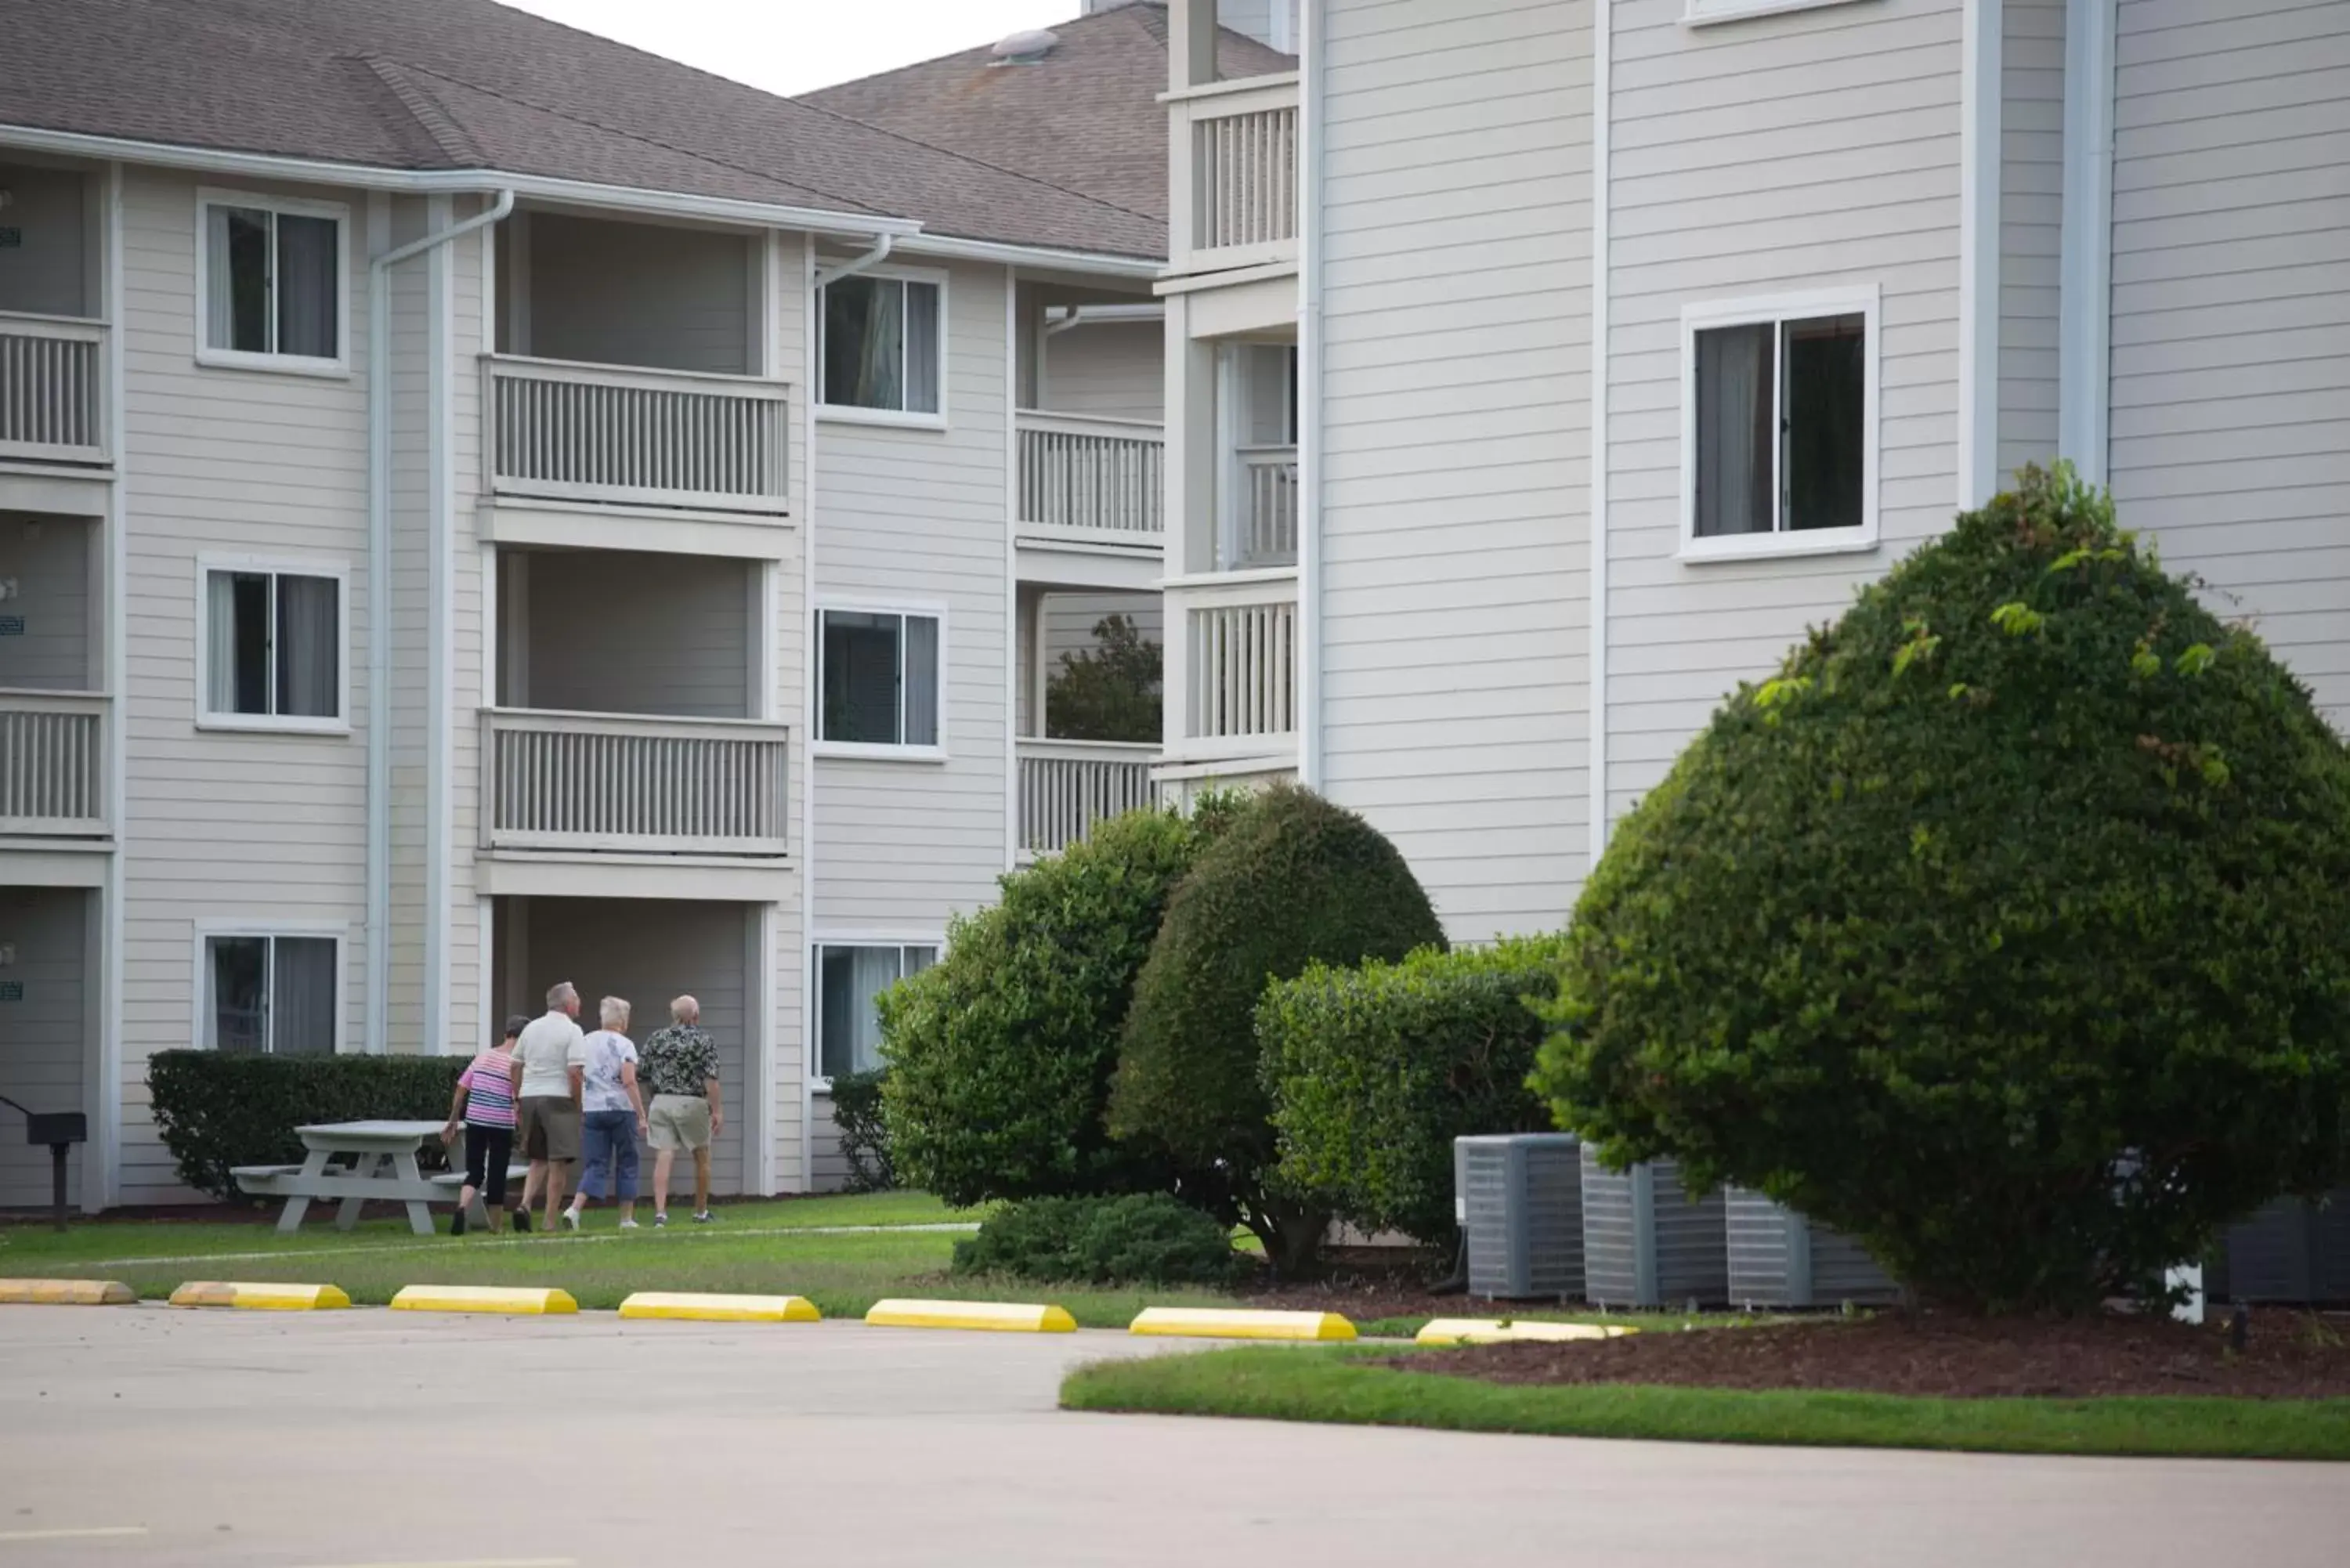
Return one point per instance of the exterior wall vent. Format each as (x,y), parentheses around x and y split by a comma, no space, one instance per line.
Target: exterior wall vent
(1024,48)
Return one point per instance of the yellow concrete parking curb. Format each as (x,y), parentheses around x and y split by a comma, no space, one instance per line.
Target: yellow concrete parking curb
(1495,1331)
(1005,1317)
(66,1292)
(1225,1323)
(261,1297)
(530,1303)
(719,1309)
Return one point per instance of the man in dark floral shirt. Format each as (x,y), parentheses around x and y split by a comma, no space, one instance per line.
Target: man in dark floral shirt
(681,1068)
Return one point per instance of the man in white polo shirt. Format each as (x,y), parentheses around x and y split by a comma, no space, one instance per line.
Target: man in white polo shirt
(550,1065)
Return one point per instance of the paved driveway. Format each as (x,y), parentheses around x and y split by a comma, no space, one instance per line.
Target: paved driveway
(367,1437)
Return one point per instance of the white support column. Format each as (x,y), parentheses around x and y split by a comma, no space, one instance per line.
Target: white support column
(2085,312)
(761,1168)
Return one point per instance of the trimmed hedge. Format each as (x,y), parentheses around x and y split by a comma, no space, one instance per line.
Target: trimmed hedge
(217,1111)
(1294,879)
(1135,1239)
(1374,1070)
(2004,930)
(1001,1053)
(864,1136)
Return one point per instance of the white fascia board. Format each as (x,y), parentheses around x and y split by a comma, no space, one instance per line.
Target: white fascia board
(453,181)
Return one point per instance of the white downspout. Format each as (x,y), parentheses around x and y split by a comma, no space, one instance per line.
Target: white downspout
(1312,22)
(378,797)
(1596,718)
(854,264)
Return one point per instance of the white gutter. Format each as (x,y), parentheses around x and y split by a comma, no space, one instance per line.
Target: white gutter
(1038,257)
(1312,22)
(379,733)
(1096,314)
(854,264)
(1603,48)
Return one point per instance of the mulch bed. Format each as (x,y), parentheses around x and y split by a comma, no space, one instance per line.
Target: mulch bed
(2288,1355)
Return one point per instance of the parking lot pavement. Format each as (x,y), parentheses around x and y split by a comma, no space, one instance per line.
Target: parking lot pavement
(142,1436)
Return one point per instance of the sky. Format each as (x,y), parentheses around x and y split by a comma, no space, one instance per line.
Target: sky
(794,45)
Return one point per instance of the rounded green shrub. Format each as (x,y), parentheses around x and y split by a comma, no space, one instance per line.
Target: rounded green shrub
(2005,929)
(1374,1070)
(1294,879)
(216,1110)
(1133,1239)
(1001,1053)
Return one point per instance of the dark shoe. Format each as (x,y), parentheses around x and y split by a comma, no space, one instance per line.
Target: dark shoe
(522,1220)
(704,1218)
(457,1221)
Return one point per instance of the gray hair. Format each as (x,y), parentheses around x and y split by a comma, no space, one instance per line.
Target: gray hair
(614,1012)
(685,1010)
(561,994)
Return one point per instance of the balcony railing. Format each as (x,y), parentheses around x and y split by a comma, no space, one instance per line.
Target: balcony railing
(1067,787)
(1240,139)
(597,784)
(647,438)
(1237,669)
(52,388)
(1100,479)
(1265,525)
(52,764)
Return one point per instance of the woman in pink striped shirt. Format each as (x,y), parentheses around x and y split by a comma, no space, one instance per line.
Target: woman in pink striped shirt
(485,1100)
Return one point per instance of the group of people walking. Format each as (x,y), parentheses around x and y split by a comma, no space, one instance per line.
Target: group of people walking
(572,1097)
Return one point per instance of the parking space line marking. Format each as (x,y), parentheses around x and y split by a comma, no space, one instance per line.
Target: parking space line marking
(472,1562)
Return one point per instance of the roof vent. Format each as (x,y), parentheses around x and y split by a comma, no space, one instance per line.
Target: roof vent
(1025,48)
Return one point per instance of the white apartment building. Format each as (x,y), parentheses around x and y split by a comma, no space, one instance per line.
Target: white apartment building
(482,506)
(1632,336)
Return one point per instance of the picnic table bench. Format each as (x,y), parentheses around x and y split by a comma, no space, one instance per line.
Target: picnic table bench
(383,1166)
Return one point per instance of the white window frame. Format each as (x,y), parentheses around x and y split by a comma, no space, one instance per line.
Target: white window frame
(274,723)
(850,413)
(200,1016)
(1712,13)
(877,750)
(209,197)
(820,1081)
(1773,309)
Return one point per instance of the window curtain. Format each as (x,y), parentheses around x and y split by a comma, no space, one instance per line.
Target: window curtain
(922,356)
(308,648)
(850,1024)
(921,680)
(1733,465)
(236,279)
(307,293)
(220,643)
(237,1018)
(880,365)
(302,997)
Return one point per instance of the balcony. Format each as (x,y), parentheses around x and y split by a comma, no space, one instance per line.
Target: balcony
(52,388)
(53,781)
(1236,179)
(597,784)
(1232,670)
(1091,500)
(617,435)
(1068,786)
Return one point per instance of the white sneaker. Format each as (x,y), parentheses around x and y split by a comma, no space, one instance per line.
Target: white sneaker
(571,1219)
(627,1224)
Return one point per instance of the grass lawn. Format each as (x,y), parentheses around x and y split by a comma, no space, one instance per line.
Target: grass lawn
(1343,1386)
(777,1247)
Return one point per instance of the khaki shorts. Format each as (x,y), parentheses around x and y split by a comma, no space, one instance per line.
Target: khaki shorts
(678,1121)
(550,1127)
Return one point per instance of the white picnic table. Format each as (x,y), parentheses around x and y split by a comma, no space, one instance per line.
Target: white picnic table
(383,1166)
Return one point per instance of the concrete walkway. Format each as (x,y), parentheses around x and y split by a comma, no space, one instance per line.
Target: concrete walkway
(369,1437)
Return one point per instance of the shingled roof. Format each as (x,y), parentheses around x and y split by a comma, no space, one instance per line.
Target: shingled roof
(472,85)
(1085,118)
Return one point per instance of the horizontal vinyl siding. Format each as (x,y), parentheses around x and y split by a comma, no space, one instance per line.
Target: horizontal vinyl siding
(1783,154)
(1116,370)
(916,517)
(1455,546)
(617,632)
(48,559)
(2032,220)
(220,827)
(2230,370)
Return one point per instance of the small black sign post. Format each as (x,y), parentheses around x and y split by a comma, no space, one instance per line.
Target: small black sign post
(60,1130)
